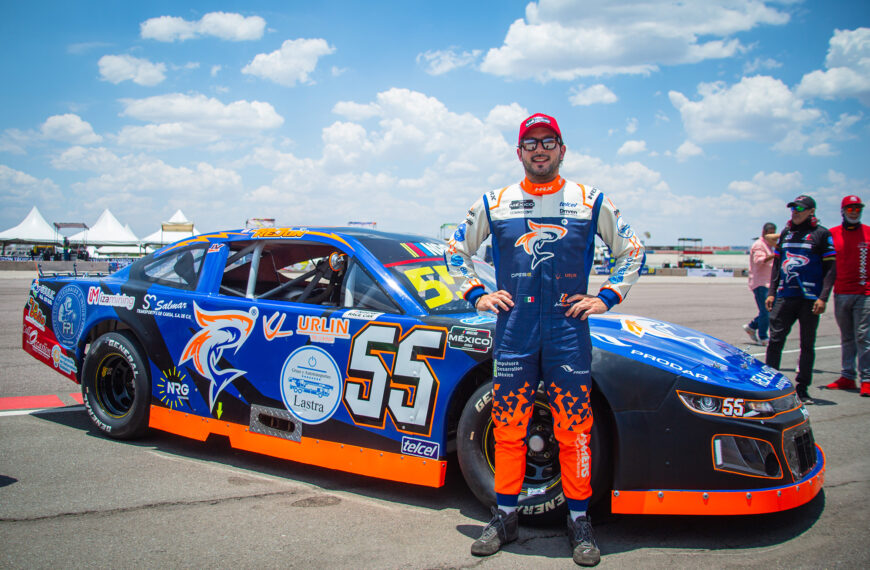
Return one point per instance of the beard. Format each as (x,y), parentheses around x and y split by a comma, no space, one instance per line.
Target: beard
(852,219)
(536,173)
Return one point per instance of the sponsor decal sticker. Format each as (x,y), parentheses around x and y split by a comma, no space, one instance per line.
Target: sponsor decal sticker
(323,329)
(61,361)
(31,337)
(310,384)
(96,296)
(34,315)
(42,292)
(459,234)
(154,305)
(361,314)
(668,364)
(172,390)
(420,447)
(68,315)
(215,247)
(473,340)
(522,204)
(272,326)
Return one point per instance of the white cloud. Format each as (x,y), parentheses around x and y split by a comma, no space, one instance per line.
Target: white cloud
(566,39)
(757,108)
(14,141)
(631,125)
(178,120)
(215,69)
(69,128)
(688,150)
(507,118)
(438,62)
(758,63)
(139,172)
(223,25)
(21,188)
(631,147)
(290,64)
(591,95)
(355,111)
(118,68)
(848,73)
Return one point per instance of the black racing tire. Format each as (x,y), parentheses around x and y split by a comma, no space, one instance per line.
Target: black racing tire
(116,386)
(541,499)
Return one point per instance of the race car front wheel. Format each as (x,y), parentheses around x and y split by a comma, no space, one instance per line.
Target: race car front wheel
(116,387)
(541,500)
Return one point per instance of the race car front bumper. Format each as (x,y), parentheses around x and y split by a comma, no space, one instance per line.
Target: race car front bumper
(732,502)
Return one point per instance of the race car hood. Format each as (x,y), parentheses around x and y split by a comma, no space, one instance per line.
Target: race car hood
(683,351)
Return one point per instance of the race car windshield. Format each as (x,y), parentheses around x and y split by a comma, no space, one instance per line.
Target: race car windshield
(418,265)
(428,279)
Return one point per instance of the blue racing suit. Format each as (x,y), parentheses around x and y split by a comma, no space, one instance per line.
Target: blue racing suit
(543,242)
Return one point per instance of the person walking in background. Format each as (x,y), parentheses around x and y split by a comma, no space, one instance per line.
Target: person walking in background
(804,269)
(851,289)
(760,267)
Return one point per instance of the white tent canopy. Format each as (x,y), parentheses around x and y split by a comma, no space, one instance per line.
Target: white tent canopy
(33,229)
(178,227)
(107,231)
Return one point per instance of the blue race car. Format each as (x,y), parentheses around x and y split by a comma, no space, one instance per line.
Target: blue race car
(352,349)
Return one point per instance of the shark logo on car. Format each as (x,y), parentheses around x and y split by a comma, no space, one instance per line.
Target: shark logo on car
(221,331)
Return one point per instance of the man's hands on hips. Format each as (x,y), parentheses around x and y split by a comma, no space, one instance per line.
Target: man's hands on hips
(584,305)
(499,300)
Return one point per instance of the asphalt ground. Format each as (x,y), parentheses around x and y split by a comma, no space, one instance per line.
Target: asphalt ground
(71,497)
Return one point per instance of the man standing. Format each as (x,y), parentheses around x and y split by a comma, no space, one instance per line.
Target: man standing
(760,267)
(804,269)
(543,240)
(851,306)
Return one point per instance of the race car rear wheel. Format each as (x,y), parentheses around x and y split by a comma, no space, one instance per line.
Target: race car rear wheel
(541,499)
(116,386)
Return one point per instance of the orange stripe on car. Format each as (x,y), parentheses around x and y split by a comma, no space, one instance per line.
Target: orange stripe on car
(329,454)
(742,502)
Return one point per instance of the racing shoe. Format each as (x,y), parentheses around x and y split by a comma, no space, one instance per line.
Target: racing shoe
(865,389)
(502,529)
(751,332)
(586,552)
(841,383)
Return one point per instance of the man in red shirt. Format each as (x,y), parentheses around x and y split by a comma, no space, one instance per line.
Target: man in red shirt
(851,291)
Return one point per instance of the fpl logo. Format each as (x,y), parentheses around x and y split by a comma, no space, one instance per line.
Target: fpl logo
(538,236)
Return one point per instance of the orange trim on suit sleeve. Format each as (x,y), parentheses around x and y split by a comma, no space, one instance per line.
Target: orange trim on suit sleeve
(498,202)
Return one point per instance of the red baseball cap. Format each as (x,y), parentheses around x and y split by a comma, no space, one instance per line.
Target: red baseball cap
(852,201)
(539,120)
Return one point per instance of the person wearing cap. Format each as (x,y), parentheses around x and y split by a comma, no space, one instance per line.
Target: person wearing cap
(760,266)
(804,269)
(543,232)
(851,291)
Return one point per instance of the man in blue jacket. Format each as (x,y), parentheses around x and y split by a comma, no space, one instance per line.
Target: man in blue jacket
(543,240)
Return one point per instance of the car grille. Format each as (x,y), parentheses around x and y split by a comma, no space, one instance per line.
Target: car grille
(800,450)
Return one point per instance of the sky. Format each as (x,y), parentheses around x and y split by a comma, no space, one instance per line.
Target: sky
(700,118)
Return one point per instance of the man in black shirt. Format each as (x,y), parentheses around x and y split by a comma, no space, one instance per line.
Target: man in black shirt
(804,269)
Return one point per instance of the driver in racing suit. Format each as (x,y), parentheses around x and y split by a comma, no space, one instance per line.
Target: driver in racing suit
(543,240)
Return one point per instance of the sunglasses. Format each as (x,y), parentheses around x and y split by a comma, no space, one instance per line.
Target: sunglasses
(799,208)
(853,208)
(531,144)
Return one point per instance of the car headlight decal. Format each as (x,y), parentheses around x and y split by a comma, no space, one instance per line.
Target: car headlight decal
(746,456)
(730,407)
